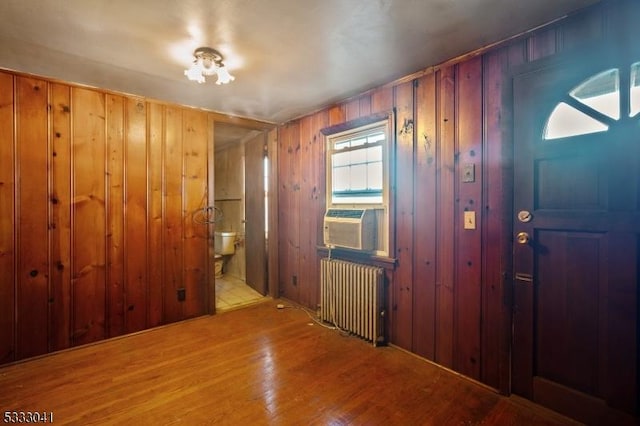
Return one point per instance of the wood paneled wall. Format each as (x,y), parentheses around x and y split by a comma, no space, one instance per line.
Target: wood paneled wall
(97,192)
(448,296)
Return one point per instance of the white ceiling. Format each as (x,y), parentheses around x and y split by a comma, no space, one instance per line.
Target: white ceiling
(289,57)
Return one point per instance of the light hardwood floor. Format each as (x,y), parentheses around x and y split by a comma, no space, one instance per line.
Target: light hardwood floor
(253,366)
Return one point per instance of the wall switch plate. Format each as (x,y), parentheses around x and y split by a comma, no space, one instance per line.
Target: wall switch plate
(468,172)
(469,220)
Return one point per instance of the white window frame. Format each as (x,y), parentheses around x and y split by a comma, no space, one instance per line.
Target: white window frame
(349,130)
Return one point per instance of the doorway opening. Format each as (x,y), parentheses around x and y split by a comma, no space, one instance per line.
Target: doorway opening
(240,231)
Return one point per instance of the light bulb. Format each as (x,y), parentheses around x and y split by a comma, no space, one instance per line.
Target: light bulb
(223,75)
(194,73)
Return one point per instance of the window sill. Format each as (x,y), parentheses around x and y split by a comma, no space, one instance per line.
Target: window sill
(358,256)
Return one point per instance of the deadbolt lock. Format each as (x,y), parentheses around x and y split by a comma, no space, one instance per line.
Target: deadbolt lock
(523,238)
(524,216)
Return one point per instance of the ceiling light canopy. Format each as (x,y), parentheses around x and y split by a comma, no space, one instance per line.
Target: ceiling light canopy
(208,61)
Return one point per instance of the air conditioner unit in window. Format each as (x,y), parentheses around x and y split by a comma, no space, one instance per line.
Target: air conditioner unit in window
(350,228)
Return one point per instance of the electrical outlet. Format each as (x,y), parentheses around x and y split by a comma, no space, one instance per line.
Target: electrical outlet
(182,294)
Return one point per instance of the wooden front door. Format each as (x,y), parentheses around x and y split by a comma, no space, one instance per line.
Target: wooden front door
(576,242)
(256,251)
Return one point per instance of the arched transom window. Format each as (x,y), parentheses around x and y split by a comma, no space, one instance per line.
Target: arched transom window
(596,104)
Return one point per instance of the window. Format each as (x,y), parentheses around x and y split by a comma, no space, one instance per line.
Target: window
(601,92)
(356,166)
(567,121)
(595,104)
(358,169)
(635,89)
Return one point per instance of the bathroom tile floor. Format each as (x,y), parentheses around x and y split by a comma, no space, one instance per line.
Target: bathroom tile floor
(232,293)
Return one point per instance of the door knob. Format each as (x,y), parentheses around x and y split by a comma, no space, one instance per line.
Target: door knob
(523,238)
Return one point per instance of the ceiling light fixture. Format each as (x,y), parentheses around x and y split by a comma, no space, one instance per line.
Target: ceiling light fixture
(208,61)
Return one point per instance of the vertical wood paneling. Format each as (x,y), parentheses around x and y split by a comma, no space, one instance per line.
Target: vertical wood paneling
(155,113)
(425,225)
(365,105)
(469,198)
(307,223)
(88,282)
(32,216)
(291,217)
(582,29)
(283,213)
(312,196)
(88,205)
(542,44)
(173,244)
(294,205)
(496,294)
(254,241)
(382,100)
(135,217)
(445,279)
(115,216)
(337,115)
(195,197)
(495,64)
(459,312)
(60,224)
(7,220)
(402,308)
(517,54)
(211,227)
(302,166)
(352,109)
(319,194)
(273,232)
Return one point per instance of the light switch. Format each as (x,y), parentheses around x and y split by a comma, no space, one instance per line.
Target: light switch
(469,220)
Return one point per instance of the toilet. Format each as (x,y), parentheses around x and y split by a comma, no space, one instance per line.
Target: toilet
(224,245)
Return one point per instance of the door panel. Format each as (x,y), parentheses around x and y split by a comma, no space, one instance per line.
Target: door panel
(576,272)
(568,293)
(255,216)
(570,183)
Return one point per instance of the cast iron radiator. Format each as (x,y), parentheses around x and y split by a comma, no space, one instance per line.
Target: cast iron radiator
(351,298)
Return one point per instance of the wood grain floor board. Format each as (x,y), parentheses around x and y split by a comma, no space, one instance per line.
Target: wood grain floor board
(258,366)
